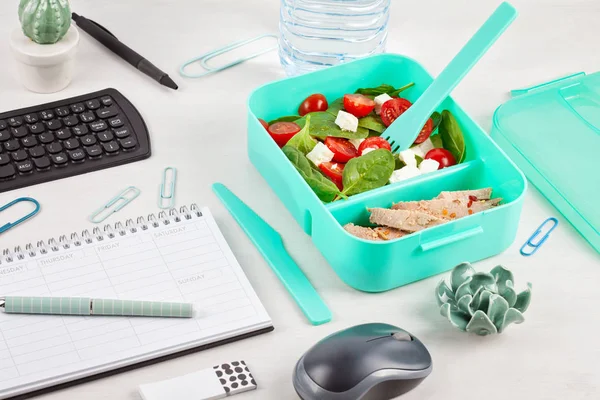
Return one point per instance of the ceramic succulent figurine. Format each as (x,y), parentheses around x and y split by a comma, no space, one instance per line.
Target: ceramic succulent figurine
(45,21)
(480,302)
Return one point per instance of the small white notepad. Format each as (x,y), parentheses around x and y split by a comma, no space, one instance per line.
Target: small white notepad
(175,257)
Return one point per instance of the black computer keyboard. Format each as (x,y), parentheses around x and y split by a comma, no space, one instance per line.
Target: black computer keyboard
(70,137)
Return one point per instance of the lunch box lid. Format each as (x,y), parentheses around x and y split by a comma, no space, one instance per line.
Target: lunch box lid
(552,132)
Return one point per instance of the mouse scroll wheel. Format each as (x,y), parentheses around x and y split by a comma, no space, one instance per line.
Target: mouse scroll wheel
(402,336)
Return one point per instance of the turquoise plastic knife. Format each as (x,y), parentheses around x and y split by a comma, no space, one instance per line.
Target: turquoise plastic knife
(270,245)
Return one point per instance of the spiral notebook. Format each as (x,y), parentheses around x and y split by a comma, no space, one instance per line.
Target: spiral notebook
(175,256)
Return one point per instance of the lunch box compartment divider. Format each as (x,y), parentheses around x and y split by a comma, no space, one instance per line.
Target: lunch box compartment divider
(383,265)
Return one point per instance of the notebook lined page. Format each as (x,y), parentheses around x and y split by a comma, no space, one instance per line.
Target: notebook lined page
(183,261)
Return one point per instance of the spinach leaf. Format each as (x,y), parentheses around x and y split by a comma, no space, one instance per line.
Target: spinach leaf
(381,89)
(397,92)
(287,118)
(419,159)
(399,163)
(374,133)
(324,188)
(302,141)
(336,106)
(437,141)
(452,136)
(372,122)
(437,120)
(371,171)
(322,124)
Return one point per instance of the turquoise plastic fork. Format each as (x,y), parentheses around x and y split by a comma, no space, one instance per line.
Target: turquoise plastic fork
(402,133)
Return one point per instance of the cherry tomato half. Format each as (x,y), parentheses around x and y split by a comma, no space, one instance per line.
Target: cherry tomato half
(334,172)
(314,102)
(358,105)
(263,123)
(442,156)
(392,109)
(425,132)
(375,143)
(281,132)
(342,149)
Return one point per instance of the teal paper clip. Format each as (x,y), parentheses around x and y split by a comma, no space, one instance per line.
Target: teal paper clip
(166,198)
(222,50)
(125,197)
(9,225)
(530,244)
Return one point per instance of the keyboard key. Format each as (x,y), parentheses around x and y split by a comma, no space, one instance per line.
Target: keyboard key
(106,100)
(31,118)
(116,122)
(62,111)
(29,141)
(12,145)
(92,104)
(7,172)
(37,128)
(87,116)
(24,167)
(80,130)
(59,159)
(88,140)
(105,136)
(4,159)
(3,124)
(71,144)
(46,138)
(71,120)
(54,124)
(77,108)
(47,115)
(121,133)
(111,147)
(4,135)
(54,147)
(77,155)
(98,126)
(107,112)
(42,163)
(15,121)
(37,151)
(19,155)
(20,131)
(94,151)
(128,143)
(63,133)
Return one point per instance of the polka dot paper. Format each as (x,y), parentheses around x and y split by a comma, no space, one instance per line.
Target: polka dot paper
(235,377)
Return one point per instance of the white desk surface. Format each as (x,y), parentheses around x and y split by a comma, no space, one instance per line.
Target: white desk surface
(201,130)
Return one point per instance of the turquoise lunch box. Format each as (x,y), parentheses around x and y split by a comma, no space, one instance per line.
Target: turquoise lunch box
(379,266)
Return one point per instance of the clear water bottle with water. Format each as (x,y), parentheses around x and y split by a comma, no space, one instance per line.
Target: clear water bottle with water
(319,33)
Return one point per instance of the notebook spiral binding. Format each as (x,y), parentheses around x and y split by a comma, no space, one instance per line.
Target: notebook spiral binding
(163,218)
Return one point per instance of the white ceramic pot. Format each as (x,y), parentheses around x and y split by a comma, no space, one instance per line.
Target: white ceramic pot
(45,68)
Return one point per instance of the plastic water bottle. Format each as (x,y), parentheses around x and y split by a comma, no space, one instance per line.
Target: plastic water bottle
(319,33)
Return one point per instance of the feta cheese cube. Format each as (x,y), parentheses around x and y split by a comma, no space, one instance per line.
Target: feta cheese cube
(379,100)
(422,149)
(408,157)
(346,121)
(404,173)
(320,154)
(356,142)
(367,150)
(428,165)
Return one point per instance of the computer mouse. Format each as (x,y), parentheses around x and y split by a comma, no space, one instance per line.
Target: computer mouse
(356,363)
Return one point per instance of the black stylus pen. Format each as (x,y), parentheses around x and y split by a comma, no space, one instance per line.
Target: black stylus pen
(109,40)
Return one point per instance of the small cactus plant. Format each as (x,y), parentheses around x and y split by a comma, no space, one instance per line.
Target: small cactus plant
(480,302)
(45,21)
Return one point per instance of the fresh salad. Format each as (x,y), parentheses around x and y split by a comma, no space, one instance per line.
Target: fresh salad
(339,150)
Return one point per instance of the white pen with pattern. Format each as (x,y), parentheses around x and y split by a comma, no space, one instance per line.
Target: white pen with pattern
(89,306)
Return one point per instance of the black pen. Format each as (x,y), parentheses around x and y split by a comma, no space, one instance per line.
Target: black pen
(109,40)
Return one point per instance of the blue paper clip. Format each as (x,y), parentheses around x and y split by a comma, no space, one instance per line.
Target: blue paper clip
(222,50)
(126,197)
(9,225)
(537,245)
(167,196)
